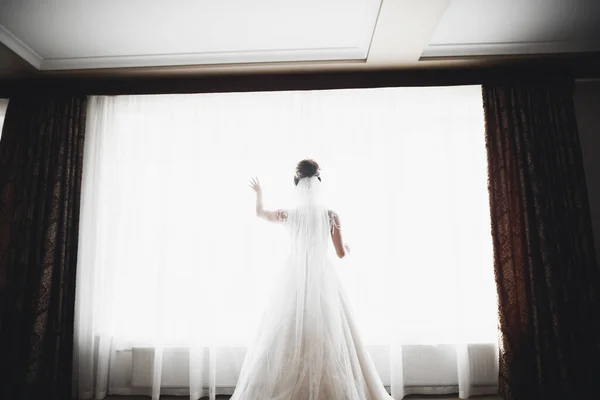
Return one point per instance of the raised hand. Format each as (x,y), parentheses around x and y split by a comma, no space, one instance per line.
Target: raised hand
(255,185)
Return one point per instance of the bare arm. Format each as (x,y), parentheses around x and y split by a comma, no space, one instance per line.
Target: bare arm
(336,235)
(273,216)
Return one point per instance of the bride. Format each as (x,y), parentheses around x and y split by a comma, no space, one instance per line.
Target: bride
(308,347)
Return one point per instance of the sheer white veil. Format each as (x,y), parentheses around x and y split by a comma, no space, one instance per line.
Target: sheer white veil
(309,222)
(309,191)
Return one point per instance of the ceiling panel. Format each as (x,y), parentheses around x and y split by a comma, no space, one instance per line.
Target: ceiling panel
(126,33)
(486,27)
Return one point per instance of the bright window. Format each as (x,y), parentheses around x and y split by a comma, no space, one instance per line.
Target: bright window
(171,254)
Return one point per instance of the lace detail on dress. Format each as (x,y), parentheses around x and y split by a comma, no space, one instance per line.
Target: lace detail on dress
(334,221)
(282,215)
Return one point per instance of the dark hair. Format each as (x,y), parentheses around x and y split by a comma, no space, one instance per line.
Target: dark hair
(306,168)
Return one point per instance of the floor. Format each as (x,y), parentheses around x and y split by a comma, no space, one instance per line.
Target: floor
(227,397)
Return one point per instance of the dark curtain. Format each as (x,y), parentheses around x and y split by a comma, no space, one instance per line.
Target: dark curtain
(545,265)
(41,154)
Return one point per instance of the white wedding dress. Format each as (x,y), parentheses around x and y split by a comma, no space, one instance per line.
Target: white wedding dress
(308,347)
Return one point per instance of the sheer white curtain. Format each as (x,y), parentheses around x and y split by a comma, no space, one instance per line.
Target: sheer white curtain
(3,107)
(174,268)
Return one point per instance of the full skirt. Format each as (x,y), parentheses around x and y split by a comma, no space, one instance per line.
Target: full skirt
(308,346)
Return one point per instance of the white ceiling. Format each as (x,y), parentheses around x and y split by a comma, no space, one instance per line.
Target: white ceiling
(494,27)
(79,34)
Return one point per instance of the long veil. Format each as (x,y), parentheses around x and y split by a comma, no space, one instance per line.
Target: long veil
(308,224)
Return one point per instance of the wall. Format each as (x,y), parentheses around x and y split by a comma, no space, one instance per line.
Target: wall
(587,108)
